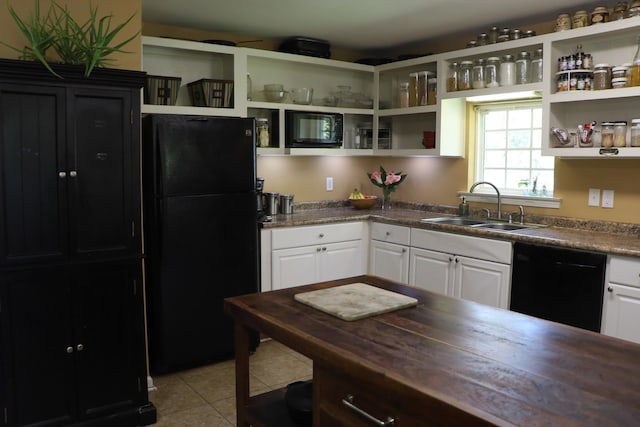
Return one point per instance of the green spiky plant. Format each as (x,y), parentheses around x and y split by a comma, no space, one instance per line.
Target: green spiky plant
(88,43)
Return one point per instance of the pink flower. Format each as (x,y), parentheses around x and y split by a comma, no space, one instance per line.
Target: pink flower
(376,176)
(392,178)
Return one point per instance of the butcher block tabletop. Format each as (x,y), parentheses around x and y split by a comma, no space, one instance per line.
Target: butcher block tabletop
(477,364)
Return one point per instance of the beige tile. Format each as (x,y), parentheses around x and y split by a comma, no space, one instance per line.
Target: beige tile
(201,416)
(226,408)
(215,370)
(281,369)
(173,395)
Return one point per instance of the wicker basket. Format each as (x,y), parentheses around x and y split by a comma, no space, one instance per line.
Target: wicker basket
(161,90)
(211,93)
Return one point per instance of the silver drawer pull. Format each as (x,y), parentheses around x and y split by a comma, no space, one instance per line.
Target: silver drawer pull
(348,402)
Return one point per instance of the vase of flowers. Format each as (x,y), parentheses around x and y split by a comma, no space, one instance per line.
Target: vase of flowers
(388,181)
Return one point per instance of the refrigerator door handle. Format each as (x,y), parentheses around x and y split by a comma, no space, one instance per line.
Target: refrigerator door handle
(198,119)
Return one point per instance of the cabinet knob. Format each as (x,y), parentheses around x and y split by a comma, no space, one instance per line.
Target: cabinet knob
(73,174)
(79,347)
(69,349)
(388,233)
(318,249)
(62,174)
(450,259)
(457,260)
(321,235)
(324,249)
(404,250)
(610,288)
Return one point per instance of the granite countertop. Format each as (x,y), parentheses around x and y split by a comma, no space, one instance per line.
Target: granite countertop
(594,236)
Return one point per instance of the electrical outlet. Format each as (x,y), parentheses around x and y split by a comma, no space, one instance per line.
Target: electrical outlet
(329,184)
(594,197)
(607,198)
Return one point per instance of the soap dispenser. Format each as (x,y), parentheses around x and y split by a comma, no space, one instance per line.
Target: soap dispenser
(463,207)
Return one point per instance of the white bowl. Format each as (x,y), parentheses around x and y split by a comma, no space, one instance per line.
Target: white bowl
(274,95)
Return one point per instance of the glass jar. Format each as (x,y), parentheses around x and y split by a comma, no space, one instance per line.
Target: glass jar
(413,89)
(453,77)
(606,134)
(620,134)
(515,34)
(262,131)
(600,15)
(635,133)
(423,77)
(477,77)
(472,43)
(493,34)
(432,89)
(507,71)
(464,79)
(634,77)
(563,22)
(619,11)
(492,72)
(403,95)
(618,82)
(523,68)
(482,39)
(587,61)
(634,9)
(536,66)
(562,82)
(580,19)
(601,77)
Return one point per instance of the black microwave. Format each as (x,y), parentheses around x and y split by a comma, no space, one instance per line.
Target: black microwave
(313,130)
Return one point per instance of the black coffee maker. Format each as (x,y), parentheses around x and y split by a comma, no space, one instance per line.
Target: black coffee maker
(259,198)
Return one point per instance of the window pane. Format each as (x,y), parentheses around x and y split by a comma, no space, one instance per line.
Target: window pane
(519,139)
(519,159)
(539,161)
(494,159)
(519,119)
(495,120)
(536,138)
(494,176)
(495,139)
(516,179)
(545,179)
(537,118)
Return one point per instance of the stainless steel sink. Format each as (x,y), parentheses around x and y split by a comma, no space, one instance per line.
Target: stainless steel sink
(479,223)
(454,220)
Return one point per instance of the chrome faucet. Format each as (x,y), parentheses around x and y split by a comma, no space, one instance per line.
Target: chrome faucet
(497,192)
(520,214)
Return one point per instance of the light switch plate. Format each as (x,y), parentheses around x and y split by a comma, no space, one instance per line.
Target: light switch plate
(607,198)
(594,197)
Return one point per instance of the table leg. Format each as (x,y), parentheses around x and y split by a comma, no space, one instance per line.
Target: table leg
(242,374)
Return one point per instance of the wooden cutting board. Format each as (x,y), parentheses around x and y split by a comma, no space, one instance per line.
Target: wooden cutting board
(355,301)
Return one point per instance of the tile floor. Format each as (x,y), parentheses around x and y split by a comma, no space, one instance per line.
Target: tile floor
(205,396)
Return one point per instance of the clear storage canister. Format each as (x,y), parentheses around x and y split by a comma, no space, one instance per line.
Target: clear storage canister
(432,89)
(413,89)
(606,135)
(477,76)
(620,134)
(507,71)
(453,74)
(403,95)
(635,133)
(601,77)
(262,130)
(464,79)
(536,66)
(492,72)
(523,68)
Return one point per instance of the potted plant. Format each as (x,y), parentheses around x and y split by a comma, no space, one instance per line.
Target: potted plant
(88,43)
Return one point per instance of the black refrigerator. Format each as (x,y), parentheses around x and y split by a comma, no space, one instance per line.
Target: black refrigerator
(201,238)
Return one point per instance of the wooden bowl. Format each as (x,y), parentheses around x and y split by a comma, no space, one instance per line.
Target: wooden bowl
(366,203)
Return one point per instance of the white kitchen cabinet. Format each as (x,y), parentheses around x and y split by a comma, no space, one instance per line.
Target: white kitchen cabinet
(467,267)
(389,251)
(309,254)
(621,307)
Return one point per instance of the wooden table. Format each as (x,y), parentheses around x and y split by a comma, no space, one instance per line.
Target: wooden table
(445,362)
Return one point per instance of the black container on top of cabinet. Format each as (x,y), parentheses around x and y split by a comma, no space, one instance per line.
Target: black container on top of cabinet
(72,344)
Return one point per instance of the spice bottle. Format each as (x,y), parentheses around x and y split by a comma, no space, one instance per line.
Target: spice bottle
(452,77)
(493,34)
(507,71)
(492,72)
(464,80)
(477,78)
(262,130)
(601,77)
(536,66)
(523,68)
(403,96)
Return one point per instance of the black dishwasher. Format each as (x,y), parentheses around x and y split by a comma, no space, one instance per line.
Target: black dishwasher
(562,285)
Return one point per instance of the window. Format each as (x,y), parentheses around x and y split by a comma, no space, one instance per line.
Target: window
(509,141)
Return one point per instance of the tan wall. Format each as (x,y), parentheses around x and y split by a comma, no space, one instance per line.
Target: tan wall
(120,9)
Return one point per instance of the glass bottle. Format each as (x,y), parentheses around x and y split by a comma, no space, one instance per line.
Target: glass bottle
(493,34)
(492,72)
(464,79)
(536,66)
(634,79)
(477,79)
(507,71)
(413,89)
(452,77)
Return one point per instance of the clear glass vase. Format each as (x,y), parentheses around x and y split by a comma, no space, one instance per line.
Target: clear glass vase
(386,199)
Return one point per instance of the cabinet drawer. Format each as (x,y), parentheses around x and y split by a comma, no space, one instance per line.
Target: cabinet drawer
(391,233)
(624,270)
(457,244)
(292,237)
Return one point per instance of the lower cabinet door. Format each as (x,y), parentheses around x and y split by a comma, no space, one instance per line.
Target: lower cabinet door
(482,281)
(38,348)
(389,260)
(294,267)
(622,312)
(431,270)
(341,260)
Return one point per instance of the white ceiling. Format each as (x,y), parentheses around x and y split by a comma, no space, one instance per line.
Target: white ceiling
(361,25)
